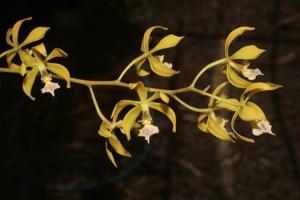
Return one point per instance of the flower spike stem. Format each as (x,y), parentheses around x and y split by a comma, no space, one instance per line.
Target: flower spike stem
(100,114)
(33,61)
(131,64)
(8,70)
(204,69)
(194,109)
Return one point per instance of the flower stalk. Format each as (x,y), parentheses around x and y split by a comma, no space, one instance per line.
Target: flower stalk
(35,61)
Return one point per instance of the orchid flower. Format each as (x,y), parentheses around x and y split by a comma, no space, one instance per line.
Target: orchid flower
(156,62)
(142,107)
(12,39)
(249,111)
(106,130)
(215,124)
(246,53)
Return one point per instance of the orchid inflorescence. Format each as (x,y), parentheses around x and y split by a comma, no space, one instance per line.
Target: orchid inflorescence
(30,59)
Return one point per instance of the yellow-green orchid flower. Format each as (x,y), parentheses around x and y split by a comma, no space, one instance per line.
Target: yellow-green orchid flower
(39,63)
(12,39)
(143,107)
(211,123)
(249,111)
(157,64)
(106,130)
(245,54)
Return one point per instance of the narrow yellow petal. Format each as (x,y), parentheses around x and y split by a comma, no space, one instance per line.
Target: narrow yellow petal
(159,68)
(120,106)
(110,155)
(166,110)
(241,137)
(214,127)
(41,49)
(235,79)
(142,73)
(146,38)
(155,96)
(254,88)
(130,119)
(28,59)
(56,53)
(167,42)
(140,89)
(23,69)
(251,112)
(8,37)
(139,70)
(249,52)
(16,29)
(227,106)
(35,35)
(234,35)
(160,95)
(28,82)
(61,71)
(164,97)
(202,124)
(10,57)
(118,147)
(103,130)
(14,66)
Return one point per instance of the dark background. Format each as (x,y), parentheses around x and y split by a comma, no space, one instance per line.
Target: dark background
(50,149)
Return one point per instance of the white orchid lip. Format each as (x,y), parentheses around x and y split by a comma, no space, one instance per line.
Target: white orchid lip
(167,64)
(147,131)
(49,86)
(251,74)
(262,127)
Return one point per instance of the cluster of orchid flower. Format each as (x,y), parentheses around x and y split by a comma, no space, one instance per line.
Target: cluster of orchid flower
(34,61)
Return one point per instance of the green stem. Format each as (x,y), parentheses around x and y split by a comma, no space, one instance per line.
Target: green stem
(213,96)
(189,89)
(95,83)
(192,108)
(90,83)
(132,64)
(210,65)
(100,114)
(9,70)
(7,52)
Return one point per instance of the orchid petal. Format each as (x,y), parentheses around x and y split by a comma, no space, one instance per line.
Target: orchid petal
(110,155)
(249,52)
(166,110)
(35,35)
(61,71)
(234,35)
(167,42)
(130,119)
(146,38)
(159,68)
(28,82)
